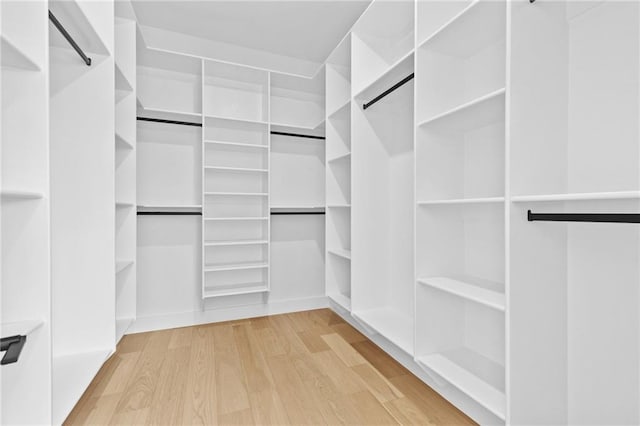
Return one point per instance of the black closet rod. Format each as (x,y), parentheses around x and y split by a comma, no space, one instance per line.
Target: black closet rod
(298,135)
(13,346)
(160,120)
(70,39)
(389,90)
(584,217)
(295,213)
(161,213)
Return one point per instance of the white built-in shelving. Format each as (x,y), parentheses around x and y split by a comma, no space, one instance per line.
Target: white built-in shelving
(24,211)
(84,186)
(235,180)
(460,198)
(125,173)
(338,175)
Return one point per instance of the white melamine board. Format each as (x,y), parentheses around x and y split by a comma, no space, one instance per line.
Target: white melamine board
(296,101)
(382,35)
(467,290)
(394,325)
(297,171)
(482,392)
(383,214)
(433,16)
(168,164)
(586,76)
(235,92)
(563,266)
(338,76)
(24,211)
(84,22)
(82,212)
(168,82)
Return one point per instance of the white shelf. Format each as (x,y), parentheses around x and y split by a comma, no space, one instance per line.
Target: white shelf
(237,194)
(224,219)
(479,24)
(236,289)
(234,243)
(166,114)
(72,374)
(166,208)
(122,143)
(467,290)
(236,169)
(341,300)
(486,200)
(476,113)
(340,109)
(122,84)
(18,194)
(297,209)
(237,120)
(339,157)
(341,253)
(476,388)
(390,76)
(20,328)
(13,57)
(237,266)
(122,325)
(313,129)
(121,264)
(339,206)
(395,326)
(578,196)
(123,204)
(238,144)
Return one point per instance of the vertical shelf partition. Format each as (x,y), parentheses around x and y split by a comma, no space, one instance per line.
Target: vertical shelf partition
(338,175)
(25,290)
(125,173)
(235,202)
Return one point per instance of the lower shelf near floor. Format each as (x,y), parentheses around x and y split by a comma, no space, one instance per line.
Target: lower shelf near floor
(395,326)
(235,289)
(72,374)
(122,325)
(343,300)
(475,375)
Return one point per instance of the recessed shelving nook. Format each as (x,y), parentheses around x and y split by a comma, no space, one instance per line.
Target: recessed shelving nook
(235,180)
(382,173)
(574,150)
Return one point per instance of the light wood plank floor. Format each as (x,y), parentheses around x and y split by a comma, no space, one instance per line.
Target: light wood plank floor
(302,368)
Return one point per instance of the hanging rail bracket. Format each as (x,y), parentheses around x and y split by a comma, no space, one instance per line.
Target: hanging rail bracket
(67,36)
(13,346)
(584,217)
(389,90)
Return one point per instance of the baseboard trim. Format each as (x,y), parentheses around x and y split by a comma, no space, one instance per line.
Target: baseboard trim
(186,319)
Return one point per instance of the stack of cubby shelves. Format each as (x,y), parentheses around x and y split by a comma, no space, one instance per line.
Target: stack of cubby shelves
(460,196)
(24,211)
(125,173)
(235,158)
(338,175)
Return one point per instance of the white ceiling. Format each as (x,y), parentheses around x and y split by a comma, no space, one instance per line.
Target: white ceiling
(302,29)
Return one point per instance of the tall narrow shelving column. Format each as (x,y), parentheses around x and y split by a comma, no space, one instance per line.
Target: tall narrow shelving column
(24,211)
(338,175)
(235,180)
(125,173)
(460,196)
(382,177)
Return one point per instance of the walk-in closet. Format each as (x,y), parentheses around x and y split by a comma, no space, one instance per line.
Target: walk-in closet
(320,212)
